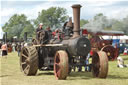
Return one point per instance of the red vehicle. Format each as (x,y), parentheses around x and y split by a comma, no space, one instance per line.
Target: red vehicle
(98,43)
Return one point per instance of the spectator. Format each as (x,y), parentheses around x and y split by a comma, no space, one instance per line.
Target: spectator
(4,50)
(19,48)
(87,68)
(22,45)
(120,62)
(13,47)
(49,31)
(38,30)
(79,64)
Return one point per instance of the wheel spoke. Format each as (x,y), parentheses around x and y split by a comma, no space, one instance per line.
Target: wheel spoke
(26,69)
(57,66)
(24,56)
(26,51)
(23,63)
(61,65)
(58,73)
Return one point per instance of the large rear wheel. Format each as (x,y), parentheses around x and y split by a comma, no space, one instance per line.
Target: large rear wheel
(100,64)
(61,65)
(29,61)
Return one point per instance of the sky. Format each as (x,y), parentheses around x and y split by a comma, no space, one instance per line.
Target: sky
(111,8)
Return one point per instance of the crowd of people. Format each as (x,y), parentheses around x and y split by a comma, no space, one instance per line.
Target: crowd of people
(40,31)
(6,48)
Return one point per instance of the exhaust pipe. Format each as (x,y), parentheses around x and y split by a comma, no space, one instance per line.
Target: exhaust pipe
(76,16)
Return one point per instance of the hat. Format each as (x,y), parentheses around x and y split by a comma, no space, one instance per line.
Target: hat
(41,24)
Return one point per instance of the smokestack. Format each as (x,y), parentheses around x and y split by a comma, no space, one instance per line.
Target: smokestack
(76,16)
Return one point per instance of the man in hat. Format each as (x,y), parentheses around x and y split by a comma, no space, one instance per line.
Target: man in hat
(38,30)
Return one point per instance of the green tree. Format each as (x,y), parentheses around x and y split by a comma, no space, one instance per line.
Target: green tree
(52,17)
(29,29)
(17,25)
(83,22)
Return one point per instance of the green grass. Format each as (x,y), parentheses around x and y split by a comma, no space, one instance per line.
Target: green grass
(10,74)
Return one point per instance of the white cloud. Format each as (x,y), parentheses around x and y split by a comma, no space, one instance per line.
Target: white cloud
(88,10)
(7,12)
(118,14)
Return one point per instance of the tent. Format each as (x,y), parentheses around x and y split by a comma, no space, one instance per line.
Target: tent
(116,37)
(123,39)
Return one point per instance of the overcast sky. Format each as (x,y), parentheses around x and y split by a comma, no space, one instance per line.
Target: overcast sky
(112,9)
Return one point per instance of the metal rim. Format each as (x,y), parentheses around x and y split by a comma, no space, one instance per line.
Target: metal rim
(110,51)
(61,65)
(100,64)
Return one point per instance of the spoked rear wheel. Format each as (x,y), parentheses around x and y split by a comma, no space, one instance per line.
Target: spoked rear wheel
(29,61)
(100,64)
(61,65)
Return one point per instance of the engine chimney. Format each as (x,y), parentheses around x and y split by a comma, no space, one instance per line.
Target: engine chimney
(76,16)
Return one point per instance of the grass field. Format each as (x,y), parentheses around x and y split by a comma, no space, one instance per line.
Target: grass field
(10,74)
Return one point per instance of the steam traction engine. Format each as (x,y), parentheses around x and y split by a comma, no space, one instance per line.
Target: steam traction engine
(98,43)
(58,54)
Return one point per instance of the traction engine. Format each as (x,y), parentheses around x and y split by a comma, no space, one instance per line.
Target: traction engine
(58,53)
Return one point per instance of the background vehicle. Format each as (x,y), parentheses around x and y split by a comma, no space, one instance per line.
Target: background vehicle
(110,46)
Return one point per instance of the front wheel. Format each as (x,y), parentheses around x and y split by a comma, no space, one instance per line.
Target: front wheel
(100,64)
(61,66)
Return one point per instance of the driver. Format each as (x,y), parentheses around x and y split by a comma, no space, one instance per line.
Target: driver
(38,30)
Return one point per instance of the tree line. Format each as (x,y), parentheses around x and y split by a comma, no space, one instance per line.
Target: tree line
(55,17)
(18,24)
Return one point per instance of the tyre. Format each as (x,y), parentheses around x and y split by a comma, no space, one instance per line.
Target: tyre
(29,61)
(61,66)
(100,64)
